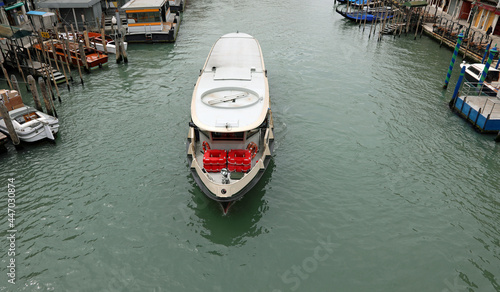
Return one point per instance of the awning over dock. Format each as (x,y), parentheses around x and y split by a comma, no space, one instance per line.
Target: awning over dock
(14,6)
(67,3)
(40,13)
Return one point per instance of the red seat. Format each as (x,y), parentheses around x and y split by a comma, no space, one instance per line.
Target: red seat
(239,160)
(214,160)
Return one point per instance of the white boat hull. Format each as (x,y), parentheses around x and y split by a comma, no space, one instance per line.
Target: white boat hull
(35,129)
(109,46)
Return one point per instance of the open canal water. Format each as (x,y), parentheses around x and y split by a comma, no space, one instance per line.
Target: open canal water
(375,184)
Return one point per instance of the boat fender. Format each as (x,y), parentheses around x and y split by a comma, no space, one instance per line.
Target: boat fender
(206,146)
(253,149)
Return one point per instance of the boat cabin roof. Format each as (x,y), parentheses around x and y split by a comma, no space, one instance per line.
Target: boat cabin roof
(477,69)
(232,93)
(144,4)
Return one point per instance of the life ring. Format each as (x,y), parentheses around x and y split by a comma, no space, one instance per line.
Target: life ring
(206,146)
(253,148)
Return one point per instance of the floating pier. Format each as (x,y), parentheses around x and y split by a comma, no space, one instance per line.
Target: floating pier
(481,110)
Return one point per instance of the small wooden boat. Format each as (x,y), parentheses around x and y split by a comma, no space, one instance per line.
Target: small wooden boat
(30,124)
(230,140)
(94,58)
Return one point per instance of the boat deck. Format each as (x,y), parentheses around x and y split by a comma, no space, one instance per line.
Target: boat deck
(216,176)
(487,105)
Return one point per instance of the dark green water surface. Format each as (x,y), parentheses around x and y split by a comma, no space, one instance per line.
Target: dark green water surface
(375,184)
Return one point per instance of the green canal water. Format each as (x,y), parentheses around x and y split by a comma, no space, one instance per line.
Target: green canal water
(375,184)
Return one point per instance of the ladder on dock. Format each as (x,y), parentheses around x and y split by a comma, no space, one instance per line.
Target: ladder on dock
(38,67)
(389,29)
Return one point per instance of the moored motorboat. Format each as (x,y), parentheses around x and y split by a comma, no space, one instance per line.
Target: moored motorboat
(473,73)
(230,139)
(150,21)
(94,58)
(30,124)
(96,41)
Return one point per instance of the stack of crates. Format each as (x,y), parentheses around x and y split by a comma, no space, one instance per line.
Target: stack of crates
(214,160)
(239,160)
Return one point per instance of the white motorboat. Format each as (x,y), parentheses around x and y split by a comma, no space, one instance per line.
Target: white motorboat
(95,41)
(230,139)
(30,124)
(491,83)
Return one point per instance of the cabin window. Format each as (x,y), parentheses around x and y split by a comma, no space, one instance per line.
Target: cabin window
(252,132)
(474,70)
(238,136)
(492,76)
(144,17)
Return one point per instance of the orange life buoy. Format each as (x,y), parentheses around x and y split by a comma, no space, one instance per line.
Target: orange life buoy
(206,146)
(253,148)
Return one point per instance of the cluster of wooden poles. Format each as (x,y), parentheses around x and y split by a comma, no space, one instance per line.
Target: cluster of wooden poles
(62,62)
(47,96)
(399,23)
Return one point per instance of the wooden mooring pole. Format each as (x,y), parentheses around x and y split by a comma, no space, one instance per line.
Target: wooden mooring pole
(34,92)
(63,43)
(6,75)
(83,57)
(46,98)
(76,56)
(123,51)
(15,84)
(8,122)
(64,71)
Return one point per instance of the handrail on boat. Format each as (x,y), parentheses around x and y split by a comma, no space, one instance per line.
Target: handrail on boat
(473,88)
(495,101)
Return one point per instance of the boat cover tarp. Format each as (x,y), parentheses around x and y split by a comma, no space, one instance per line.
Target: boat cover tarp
(416,4)
(13,32)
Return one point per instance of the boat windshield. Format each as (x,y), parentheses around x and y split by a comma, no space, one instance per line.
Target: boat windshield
(238,136)
(474,70)
(144,17)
